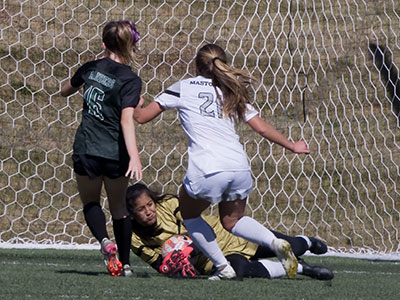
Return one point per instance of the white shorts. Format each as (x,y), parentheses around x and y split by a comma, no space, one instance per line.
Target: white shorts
(221,186)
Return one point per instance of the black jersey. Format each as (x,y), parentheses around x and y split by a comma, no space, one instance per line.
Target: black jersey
(109,87)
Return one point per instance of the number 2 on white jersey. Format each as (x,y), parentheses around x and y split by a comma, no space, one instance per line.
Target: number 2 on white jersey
(206,108)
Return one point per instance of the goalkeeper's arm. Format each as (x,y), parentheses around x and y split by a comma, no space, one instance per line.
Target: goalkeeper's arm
(156,265)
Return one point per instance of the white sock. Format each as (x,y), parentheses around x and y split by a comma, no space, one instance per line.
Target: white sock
(274,268)
(300,268)
(251,230)
(204,237)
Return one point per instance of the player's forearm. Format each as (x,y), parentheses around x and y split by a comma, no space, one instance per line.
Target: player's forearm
(156,264)
(145,114)
(67,89)
(130,139)
(275,136)
(270,132)
(128,130)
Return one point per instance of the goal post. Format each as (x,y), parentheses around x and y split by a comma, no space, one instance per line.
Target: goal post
(327,73)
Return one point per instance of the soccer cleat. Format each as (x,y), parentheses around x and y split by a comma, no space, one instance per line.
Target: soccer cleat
(286,256)
(114,267)
(109,250)
(226,272)
(317,246)
(316,272)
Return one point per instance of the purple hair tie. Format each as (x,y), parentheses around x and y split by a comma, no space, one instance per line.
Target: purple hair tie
(135,34)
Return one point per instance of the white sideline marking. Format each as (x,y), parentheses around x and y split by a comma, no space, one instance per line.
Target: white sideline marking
(365,272)
(395,256)
(95,246)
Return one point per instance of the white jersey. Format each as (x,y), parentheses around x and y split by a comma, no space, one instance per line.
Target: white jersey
(213,142)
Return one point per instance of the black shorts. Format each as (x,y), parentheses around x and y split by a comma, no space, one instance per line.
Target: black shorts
(94,166)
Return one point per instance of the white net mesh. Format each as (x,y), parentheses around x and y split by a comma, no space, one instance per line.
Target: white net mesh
(327,71)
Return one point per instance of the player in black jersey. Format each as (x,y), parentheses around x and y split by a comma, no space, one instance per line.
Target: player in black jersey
(105,149)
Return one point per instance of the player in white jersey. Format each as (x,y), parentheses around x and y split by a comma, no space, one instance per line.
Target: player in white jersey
(209,106)
(214,144)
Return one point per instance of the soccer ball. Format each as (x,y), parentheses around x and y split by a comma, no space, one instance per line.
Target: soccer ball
(175,242)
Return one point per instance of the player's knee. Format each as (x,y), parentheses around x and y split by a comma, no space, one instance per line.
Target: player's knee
(119,212)
(228,223)
(87,207)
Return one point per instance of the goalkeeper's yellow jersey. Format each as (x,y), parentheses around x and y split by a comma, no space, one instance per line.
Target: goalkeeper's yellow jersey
(170,222)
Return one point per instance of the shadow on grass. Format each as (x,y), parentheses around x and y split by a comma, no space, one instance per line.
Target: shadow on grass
(136,274)
(81,272)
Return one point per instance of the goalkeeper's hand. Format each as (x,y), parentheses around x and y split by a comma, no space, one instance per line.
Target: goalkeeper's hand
(177,264)
(187,270)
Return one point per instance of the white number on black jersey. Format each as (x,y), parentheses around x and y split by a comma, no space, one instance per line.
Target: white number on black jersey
(93,97)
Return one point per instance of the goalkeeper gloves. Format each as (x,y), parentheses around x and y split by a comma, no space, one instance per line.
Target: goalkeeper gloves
(177,264)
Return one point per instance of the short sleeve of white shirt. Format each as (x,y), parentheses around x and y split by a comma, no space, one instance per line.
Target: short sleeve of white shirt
(171,97)
(250,113)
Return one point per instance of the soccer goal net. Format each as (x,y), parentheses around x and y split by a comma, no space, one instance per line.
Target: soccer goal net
(327,73)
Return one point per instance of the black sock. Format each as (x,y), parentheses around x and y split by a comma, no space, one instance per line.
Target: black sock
(123,236)
(245,268)
(298,244)
(96,220)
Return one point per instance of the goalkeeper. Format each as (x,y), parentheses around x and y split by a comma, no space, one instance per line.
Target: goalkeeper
(156,218)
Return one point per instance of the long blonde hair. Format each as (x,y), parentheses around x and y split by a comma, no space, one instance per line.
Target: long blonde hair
(211,63)
(121,37)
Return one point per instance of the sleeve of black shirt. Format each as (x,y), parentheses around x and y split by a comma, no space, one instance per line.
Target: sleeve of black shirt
(130,93)
(77,79)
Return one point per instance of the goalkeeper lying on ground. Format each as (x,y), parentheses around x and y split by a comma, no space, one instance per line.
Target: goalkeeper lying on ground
(157,218)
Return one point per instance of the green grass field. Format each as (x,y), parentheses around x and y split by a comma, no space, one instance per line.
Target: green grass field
(80,274)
